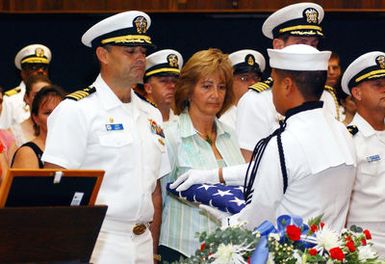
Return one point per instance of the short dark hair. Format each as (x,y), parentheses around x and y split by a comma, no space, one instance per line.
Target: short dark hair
(310,83)
(284,37)
(335,56)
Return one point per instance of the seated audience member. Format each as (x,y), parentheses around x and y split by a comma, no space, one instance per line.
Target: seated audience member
(248,66)
(24,131)
(45,101)
(162,72)
(197,139)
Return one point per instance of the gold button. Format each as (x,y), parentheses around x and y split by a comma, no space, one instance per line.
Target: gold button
(139,229)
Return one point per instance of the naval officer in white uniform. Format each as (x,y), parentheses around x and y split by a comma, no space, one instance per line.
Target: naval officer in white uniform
(106,126)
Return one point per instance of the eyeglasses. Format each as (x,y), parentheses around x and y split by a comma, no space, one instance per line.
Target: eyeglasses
(248,77)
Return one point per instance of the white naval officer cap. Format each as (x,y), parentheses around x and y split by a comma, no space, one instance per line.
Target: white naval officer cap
(124,29)
(163,62)
(34,53)
(299,57)
(369,66)
(247,60)
(301,19)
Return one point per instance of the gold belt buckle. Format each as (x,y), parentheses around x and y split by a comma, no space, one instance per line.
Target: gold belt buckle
(139,229)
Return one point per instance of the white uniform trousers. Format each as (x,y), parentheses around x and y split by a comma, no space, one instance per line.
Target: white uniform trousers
(120,245)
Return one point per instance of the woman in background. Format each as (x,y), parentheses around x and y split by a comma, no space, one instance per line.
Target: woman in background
(197,140)
(45,101)
(24,131)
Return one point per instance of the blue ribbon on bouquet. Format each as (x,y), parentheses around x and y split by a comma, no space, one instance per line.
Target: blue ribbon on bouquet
(261,252)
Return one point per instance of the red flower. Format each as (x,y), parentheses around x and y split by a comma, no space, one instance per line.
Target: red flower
(293,232)
(322,224)
(350,246)
(203,245)
(313,252)
(314,228)
(348,238)
(367,234)
(363,242)
(336,253)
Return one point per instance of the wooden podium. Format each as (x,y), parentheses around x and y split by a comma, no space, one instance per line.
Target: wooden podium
(49,234)
(48,216)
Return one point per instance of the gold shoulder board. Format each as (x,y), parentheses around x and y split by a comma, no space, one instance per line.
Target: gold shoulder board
(12,91)
(80,94)
(329,89)
(262,86)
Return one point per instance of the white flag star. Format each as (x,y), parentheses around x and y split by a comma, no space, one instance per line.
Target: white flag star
(206,186)
(238,201)
(222,193)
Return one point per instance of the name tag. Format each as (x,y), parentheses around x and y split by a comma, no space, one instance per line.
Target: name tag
(113,127)
(373,158)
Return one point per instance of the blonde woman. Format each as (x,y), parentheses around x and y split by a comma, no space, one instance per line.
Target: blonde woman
(196,140)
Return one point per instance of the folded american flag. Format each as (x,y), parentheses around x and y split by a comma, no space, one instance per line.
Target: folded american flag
(223,197)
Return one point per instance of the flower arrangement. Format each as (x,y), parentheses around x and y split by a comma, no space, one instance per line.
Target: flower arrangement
(228,245)
(291,242)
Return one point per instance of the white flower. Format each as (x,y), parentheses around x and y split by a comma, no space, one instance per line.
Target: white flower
(327,238)
(231,254)
(274,236)
(297,256)
(366,252)
(270,259)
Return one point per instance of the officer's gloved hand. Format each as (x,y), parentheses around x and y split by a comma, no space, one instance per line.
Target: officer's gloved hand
(217,215)
(193,176)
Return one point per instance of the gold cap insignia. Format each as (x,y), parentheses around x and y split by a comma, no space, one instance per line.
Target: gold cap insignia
(380,61)
(140,24)
(172,60)
(39,52)
(250,60)
(311,15)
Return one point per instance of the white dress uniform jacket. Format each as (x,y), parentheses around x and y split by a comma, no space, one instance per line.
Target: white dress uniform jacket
(367,208)
(329,103)
(100,132)
(257,117)
(229,117)
(320,162)
(15,110)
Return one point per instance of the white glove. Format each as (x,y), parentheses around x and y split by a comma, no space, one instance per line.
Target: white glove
(217,215)
(192,177)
